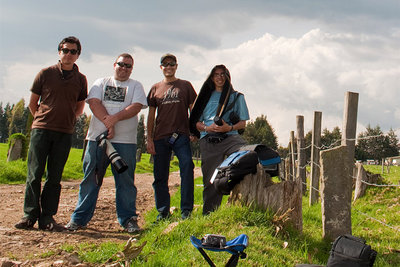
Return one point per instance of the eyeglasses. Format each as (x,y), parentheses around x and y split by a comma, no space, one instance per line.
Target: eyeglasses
(66,51)
(123,64)
(166,64)
(222,74)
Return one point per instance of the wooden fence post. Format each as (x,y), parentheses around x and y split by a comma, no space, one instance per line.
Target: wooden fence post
(315,165)
(293,156)
(350,124)
(301,154)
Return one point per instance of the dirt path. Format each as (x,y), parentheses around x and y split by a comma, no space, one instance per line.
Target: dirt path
(25,245)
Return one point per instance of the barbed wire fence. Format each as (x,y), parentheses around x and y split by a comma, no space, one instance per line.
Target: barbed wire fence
(290,171)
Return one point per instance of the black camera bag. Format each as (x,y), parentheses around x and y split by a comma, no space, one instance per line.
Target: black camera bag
(233,169)
(351,251)
(268,158)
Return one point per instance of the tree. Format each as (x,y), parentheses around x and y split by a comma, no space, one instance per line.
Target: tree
(81,127)
(331,139)
(18,118)
(393,141)
(373,144)
(261,132)
(141,136)
(328,140)
(3,124)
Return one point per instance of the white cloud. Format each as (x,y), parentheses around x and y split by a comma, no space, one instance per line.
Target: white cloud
(287,58)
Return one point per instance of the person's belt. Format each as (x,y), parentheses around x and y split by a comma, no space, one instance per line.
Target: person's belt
(215,138)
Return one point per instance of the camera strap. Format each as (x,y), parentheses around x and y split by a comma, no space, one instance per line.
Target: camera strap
(231,105)
(100,171)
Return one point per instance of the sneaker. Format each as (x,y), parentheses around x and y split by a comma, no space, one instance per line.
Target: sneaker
(185,214)
(51,225)
(25,223)
(161,217)
(72,226)
(132,226)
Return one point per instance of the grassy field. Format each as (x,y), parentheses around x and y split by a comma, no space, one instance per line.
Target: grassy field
(375,217)
(15,172)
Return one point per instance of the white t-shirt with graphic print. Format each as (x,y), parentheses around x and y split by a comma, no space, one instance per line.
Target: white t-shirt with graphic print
(116,96)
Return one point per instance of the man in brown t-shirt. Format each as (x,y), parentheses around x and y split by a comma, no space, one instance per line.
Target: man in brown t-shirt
(172,98)
(58,96)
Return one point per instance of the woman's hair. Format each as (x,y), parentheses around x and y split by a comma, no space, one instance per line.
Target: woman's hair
(227,75)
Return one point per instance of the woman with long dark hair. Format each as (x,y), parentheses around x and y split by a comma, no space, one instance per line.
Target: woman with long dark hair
(219,113)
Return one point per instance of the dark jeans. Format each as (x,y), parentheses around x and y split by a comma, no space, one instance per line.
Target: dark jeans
(212,155)
(51,147)
(162,159)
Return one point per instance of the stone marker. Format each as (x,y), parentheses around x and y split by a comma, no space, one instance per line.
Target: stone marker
(361,177)
(15,151)
(336,189)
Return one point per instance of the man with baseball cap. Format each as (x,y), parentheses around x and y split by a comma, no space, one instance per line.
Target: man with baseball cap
(172,98)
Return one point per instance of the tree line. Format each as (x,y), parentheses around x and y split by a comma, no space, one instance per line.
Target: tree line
(371,144)
(16,118)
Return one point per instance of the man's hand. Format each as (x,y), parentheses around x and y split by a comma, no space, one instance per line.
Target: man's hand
(110,121)
(150,147)
(111,133)
(219,129)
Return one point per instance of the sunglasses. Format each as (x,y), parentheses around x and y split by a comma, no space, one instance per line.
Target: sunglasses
(166,64)
(222,75)
(66,51)
(126,65)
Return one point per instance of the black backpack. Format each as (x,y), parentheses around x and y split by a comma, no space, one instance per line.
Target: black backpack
(268,158)
(233,169)
(351,251)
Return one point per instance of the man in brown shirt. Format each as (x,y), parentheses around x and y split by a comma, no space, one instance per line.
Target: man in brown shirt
(172,98)
(57,97)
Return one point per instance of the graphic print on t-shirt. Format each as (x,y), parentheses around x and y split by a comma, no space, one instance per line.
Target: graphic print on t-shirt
(171,96)
(116,94)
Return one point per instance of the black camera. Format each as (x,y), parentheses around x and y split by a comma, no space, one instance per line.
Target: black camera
(218,120)
(117,162)
(216,241)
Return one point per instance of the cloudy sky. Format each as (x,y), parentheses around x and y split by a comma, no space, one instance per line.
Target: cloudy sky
(289,57)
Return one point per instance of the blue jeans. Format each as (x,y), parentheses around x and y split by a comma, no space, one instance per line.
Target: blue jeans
(125,195)
(162,158)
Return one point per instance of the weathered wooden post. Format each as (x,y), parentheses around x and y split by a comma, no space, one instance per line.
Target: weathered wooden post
(293,156)
(315,165)
(288,168)
(282,170)
(283,198)
(301,154)
(350,124)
